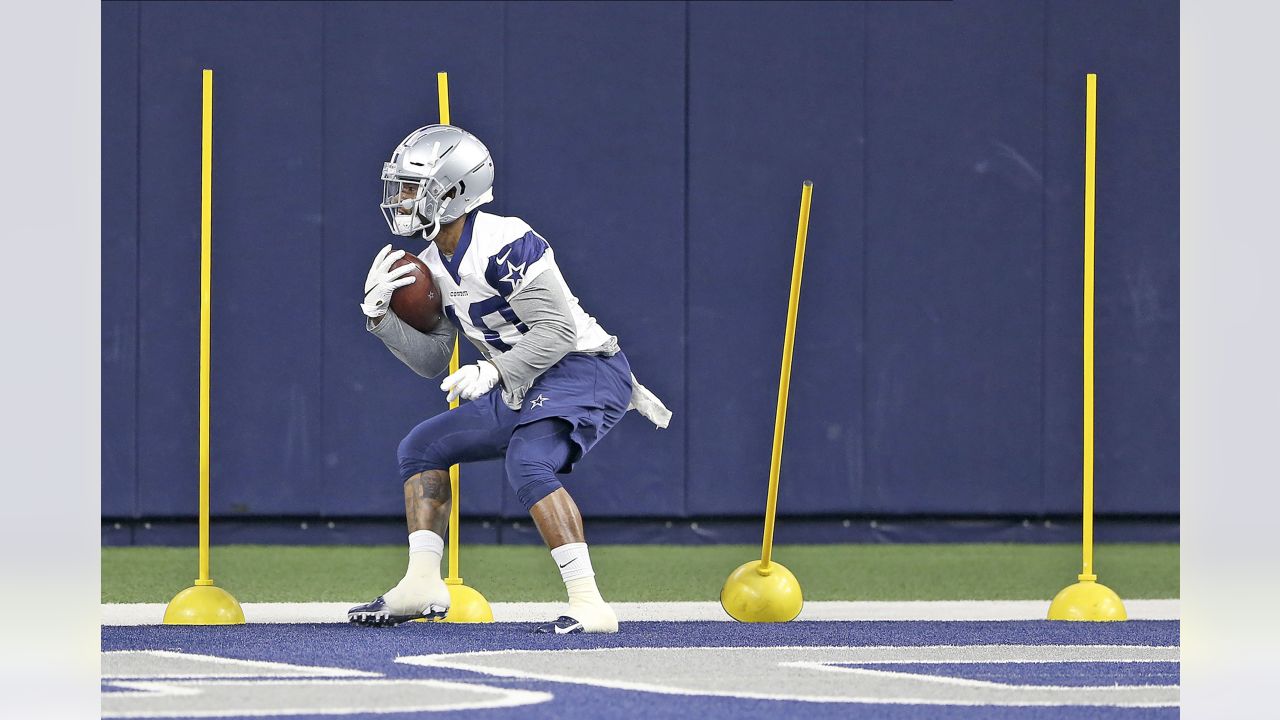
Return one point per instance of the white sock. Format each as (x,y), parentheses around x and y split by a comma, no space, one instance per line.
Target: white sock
(425,551)
(574,561)
(421,585)
(585,603)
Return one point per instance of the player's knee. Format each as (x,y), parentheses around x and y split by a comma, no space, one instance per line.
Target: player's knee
(417,454)
(531,470)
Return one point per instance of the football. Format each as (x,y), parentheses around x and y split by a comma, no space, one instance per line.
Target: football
(419,302)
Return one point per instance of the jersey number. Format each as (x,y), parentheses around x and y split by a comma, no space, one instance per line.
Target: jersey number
(479,311)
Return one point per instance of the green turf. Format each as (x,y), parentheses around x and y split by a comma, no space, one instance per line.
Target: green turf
(273,573)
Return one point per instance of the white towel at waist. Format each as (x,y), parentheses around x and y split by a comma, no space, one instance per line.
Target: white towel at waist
(648,404)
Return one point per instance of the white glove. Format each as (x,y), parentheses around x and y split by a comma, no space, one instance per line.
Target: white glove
(383,281)
(471,381)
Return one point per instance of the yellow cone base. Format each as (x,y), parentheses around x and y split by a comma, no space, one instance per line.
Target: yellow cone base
(203,605)
(1089,602)
(753,595)
(467,605)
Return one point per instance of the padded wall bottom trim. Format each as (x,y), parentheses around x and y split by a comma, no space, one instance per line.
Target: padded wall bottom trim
(705,531)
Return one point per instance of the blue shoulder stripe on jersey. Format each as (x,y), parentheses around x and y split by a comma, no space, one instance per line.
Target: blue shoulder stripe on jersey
(464,242)
(507,267)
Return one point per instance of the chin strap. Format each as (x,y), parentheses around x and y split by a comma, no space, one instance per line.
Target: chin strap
(435,221)
(435,226)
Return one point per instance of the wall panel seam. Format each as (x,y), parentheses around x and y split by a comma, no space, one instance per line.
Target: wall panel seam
(860,501)
(1044,250)
(137,262)
(506,144)
(684,345)
(318,457)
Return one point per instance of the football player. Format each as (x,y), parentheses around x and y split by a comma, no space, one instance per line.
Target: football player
(551,384)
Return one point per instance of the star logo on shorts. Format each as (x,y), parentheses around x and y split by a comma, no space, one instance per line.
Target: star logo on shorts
(537,402)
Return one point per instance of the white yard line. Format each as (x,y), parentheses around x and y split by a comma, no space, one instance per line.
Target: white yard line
(322,612)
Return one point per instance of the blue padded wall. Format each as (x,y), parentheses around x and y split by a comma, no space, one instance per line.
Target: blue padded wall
(760,124)
(954,246)
(266,262)
(1133,47)
(660,148)
(375,93)
(119,258)
(595,142)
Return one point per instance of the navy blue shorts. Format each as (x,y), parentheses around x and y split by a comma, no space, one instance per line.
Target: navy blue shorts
(590,392)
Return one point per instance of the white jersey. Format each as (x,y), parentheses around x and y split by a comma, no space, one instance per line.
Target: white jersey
(495,259)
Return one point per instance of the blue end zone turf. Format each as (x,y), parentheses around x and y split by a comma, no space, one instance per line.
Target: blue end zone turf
(1152,668)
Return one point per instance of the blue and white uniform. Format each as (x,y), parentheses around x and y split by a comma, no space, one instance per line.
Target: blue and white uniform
(564,381)
(496,259)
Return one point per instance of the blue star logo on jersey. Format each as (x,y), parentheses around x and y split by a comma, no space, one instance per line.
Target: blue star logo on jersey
(515,273)
(537,402)
(509,267)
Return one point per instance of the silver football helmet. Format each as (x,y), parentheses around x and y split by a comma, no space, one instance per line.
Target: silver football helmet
(436,175)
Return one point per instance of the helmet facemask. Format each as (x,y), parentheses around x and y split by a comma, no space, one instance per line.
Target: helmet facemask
(436,175)
(410,204)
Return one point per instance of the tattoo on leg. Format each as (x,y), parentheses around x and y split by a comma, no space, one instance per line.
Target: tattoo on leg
(427,499)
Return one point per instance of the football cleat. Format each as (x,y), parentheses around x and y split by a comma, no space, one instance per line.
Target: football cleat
(562,625)
(378,614)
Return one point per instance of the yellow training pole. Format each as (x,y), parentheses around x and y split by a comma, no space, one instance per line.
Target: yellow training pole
(206,273)
(1090,171)
(466,604)
(205,604)
(762,590)
(1088,600)
(442,89)
(784,383)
